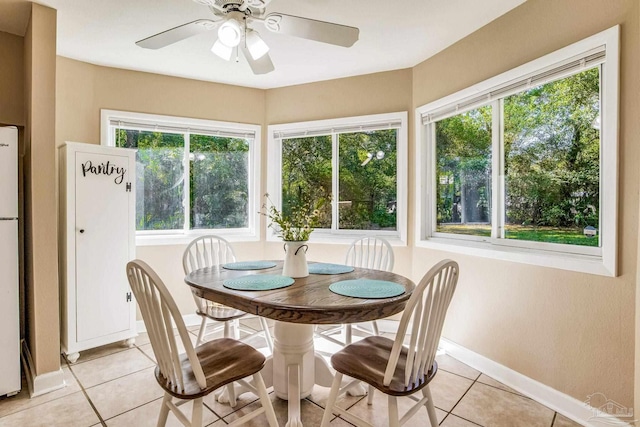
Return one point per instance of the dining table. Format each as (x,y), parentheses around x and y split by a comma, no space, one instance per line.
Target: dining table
(295,367)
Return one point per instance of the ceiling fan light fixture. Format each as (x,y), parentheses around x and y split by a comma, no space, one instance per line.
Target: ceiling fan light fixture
(230,33)
(257,47)
(231,21)
(222,50)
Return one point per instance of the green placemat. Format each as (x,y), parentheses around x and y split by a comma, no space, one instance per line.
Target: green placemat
(258,282)
(325,268)
(367,288)
(249,265)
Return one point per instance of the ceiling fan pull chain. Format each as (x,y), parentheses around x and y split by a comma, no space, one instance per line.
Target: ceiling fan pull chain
(245,33)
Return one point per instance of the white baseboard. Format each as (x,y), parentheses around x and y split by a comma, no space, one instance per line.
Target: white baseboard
(564,404)
(40,384)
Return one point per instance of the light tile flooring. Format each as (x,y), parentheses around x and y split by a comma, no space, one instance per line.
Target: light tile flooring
(115,386)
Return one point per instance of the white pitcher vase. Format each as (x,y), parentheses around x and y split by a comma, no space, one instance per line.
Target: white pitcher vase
(295,259)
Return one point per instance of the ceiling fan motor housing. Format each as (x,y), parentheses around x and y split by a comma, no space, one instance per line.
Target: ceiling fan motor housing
(255,8)
(230,4)
(248,3)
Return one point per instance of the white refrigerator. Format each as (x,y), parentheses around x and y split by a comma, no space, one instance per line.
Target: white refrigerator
(9,300)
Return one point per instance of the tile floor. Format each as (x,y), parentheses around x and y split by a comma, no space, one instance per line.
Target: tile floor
(115,386)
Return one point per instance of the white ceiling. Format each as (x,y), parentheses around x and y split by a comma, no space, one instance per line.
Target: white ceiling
(393,35)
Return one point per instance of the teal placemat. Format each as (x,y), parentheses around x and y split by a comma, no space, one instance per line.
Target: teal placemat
(249,265)
(258,282)
(367,288)
(324,268)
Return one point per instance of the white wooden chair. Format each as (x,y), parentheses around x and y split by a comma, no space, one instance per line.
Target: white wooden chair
(211,251)
(392,367)
(367,252)
(200,370)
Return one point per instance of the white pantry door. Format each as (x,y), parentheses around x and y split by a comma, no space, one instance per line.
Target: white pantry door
(102,244)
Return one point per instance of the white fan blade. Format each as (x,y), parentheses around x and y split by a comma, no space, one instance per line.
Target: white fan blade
(176,34)
(311,29)
(262,65)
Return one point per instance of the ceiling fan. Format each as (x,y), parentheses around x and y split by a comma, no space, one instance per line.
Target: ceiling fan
(233,19)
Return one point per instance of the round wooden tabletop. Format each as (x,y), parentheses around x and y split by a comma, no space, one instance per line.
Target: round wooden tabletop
(308,300)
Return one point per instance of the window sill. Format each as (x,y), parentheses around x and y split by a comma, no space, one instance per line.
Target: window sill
(572,262)
(183,239)
(345,237)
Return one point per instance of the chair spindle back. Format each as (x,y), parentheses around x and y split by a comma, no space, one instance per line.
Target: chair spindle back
(424,313)
(207,251)
(160,313)
(371,252)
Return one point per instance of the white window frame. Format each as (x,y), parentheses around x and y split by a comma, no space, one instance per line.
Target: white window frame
(334,127)
(601,260)
(188,126)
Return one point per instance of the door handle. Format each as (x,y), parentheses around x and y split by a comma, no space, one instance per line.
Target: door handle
(81,230)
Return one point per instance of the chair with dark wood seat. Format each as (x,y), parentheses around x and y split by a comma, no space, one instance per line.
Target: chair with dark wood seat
(200,370)
(392,367)
(211,251)
(366,252)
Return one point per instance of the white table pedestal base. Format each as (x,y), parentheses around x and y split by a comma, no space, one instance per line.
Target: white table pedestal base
(293,360)
(294,368)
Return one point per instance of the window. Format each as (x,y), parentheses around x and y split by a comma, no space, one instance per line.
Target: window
(552,161)
(353,170)
(523,166)
(463,171)
(192,176)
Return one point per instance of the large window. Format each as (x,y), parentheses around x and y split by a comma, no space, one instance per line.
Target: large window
(353,170)
(192,176)
(525,163)
(552,161)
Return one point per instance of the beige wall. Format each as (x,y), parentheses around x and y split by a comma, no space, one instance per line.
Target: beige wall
(41,251)
(637,301)
(353,96)
(571,331)
(11,79)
